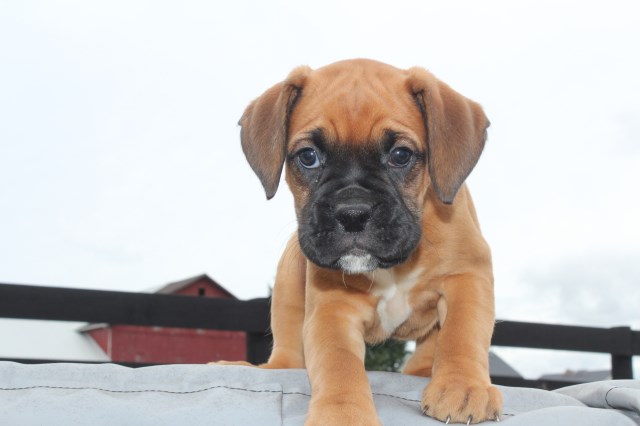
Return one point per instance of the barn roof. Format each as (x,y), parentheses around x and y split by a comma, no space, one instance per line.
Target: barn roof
(169,288)
(176,286)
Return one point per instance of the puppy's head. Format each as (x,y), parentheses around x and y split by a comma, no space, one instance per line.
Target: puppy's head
(363,142)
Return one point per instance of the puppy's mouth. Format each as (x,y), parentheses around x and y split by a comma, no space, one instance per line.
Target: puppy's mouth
(358,261)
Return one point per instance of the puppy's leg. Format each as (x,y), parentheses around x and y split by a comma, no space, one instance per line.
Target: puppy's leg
(334,352)
(287,311)
(421,362)
(460,389)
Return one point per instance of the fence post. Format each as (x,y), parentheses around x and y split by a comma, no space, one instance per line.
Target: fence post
(258,347)
(621,367)
(621,356)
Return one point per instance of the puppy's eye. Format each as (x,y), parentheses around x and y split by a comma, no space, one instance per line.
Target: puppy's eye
(308,158)
(400,157)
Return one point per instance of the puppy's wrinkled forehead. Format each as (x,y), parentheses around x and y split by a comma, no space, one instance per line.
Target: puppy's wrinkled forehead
(356,102)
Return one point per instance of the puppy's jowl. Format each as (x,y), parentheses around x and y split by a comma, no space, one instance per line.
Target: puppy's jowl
(388,242)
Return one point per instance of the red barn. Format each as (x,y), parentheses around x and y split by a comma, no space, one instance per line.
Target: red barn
(170,345)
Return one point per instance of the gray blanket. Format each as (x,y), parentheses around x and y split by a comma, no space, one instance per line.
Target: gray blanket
(76,394)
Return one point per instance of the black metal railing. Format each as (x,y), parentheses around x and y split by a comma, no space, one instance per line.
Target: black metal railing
(621,343)
(252,317)
(118,307)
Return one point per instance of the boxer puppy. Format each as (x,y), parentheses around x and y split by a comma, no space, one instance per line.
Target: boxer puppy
(388,242)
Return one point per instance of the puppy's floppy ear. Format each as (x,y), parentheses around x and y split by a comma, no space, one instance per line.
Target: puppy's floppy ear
(264,127)
(456,131)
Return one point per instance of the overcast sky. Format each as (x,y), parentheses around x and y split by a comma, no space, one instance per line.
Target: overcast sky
(121,167)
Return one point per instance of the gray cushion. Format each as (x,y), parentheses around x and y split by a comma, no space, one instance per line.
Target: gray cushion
(77,394)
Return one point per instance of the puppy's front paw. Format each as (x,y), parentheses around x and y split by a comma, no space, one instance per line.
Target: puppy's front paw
(244,363)
(341,413)
(267,365)
(454,399)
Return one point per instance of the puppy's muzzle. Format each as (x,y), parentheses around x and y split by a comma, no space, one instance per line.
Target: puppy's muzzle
(357,229)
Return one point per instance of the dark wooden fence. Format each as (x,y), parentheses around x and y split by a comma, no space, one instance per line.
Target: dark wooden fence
(252,316)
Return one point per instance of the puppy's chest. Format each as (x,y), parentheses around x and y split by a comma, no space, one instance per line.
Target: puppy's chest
(394,304)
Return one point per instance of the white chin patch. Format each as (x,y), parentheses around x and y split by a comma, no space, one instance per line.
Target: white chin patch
(357,264)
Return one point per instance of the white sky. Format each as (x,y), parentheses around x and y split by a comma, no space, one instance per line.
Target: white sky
(121,167)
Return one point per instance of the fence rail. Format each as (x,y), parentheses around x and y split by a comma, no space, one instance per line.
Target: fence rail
(252,316)
(621,343)
(118,307)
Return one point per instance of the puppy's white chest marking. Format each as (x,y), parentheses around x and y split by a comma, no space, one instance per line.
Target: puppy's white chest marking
(393,306)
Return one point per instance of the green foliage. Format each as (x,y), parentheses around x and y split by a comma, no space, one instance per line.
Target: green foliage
(386,356)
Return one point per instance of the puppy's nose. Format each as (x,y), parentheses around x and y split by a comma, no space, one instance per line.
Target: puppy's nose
(353,217)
